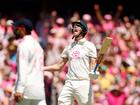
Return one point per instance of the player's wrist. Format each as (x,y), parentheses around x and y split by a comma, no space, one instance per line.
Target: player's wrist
(94,74)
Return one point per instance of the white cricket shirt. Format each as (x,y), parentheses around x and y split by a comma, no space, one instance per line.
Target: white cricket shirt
(30,59)
(79,54)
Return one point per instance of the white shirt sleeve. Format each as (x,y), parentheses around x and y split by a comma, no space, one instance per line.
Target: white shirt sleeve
(92,51)
(22,68)
(64,53)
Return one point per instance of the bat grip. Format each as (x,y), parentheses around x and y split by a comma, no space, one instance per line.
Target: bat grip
(95,67)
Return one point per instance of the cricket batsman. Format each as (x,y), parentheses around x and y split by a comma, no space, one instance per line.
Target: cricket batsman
(81,57)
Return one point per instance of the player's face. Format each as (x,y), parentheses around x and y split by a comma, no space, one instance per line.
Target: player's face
(19,32)
(76,30)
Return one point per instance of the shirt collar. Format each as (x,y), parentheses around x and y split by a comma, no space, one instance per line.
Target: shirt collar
(27,37)
(81,41)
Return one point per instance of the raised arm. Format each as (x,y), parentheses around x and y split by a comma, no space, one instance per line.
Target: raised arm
(118,12)
(98,13)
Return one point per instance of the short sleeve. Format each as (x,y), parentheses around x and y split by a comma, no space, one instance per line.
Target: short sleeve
(64,53)
(92,50)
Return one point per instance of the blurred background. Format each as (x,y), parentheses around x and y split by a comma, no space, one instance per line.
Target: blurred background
(33,8)
(119,82)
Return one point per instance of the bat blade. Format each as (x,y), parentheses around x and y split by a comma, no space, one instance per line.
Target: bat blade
(103,50)
(105,45)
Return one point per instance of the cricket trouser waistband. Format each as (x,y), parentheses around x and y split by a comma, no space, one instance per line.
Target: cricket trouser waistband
(78,79)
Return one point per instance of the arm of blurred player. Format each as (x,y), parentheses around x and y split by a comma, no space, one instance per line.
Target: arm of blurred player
(56,67)
(22,67)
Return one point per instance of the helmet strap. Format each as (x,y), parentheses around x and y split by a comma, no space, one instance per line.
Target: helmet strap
(78,35)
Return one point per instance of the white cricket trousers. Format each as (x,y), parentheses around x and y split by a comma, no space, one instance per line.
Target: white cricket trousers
(81,90)
(31,102)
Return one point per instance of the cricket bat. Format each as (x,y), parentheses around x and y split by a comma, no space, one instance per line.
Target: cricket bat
(103,50)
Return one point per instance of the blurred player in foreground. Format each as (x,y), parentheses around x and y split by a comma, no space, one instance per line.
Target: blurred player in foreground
(29,88)
(81,57)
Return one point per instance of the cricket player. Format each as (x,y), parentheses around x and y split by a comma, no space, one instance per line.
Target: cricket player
(81,57)
(29,88)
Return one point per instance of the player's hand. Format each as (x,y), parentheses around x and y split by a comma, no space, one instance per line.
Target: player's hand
(120,7)
(44,68)
(96,7)
(18,96)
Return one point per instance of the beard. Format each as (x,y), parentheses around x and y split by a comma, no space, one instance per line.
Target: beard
(17,34)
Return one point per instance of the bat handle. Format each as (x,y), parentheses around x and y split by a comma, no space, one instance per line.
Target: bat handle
(95,68)
(95,74)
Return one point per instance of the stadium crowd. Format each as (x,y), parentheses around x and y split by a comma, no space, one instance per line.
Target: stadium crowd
(119,80)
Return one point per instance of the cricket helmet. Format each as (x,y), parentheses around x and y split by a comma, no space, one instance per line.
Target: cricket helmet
(82,25)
